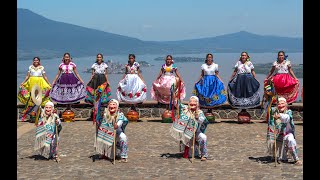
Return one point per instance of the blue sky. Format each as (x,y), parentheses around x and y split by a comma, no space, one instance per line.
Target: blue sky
(164,20)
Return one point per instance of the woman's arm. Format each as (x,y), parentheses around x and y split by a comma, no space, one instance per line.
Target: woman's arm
(160,73)
(92,74)
(45,78)
(253,73)
(125,73)
(177,73)
(291,72)
(201,75)
(25,79)
(106,75)
(234,73)
(55,79)
(271,71)
(139,74)
(76,73)
(217,74)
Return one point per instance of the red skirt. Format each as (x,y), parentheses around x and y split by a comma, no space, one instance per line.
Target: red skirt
(286,86)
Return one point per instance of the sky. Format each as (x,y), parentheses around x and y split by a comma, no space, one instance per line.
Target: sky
(170,20)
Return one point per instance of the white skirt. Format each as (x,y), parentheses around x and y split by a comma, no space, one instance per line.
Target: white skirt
(131,89)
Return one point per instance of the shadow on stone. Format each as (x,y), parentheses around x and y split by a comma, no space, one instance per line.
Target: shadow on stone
(264,159)
(168,155)
(99,157)
(38,157)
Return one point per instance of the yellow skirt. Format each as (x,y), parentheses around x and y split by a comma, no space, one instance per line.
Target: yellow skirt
(24,94)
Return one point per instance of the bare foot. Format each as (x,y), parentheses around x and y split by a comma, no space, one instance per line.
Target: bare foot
(203,159)
(298,163)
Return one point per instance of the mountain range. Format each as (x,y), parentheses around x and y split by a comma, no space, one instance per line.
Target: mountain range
(40,36)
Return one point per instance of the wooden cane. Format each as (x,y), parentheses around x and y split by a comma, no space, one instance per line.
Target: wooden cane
(275,144)
(114,144)
(57,137)
(193,144)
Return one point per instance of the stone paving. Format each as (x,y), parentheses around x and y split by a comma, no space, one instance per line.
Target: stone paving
(236,151)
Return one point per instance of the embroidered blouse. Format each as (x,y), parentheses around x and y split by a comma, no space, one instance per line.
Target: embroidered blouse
(36,71)
(281,68)
(99,68)
(169,70)
(244,68)
(133,69)
(67,68)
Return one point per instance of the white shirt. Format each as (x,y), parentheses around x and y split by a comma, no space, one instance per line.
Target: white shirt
(209,69)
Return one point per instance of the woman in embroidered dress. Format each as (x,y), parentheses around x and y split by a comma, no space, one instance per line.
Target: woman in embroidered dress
(286,84)
(132,88)
(281,119)
(35,75)
(46,141)
(68,87)
(209,88)
(168,75)
(243,88)
(99,78)
(191,118)
(104,137)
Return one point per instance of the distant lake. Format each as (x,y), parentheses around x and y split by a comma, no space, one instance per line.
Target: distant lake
(189,71)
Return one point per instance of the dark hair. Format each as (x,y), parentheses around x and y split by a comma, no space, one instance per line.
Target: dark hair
(169,56)
(100,55)
(207,57)
(35,58)
(131,55)
(282,53)
(67,54)
(248,57)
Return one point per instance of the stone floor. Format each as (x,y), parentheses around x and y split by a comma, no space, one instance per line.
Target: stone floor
(236,151)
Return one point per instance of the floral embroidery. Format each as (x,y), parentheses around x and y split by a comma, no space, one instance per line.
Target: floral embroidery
(224,92)
(208,100)
(215,97)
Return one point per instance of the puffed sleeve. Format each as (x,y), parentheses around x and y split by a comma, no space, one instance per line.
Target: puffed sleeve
(288,63)
(216,68)
(73,64)
(274,63)
(237,64)
(250,65)
(29,69)
(137,64)
(105,65)
(93,66)
(203,66)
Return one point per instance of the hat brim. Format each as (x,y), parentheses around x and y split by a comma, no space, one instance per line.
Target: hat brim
(36,95)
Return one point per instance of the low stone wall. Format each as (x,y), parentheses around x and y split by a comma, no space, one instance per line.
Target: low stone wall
(151,110)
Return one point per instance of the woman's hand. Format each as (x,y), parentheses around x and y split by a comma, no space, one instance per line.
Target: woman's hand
(115,125)
(276,116)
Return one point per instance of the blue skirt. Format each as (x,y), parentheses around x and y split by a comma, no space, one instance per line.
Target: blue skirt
(243,91)
(210,91)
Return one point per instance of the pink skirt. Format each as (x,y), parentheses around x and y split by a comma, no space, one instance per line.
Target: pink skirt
(160,90)
(286,86)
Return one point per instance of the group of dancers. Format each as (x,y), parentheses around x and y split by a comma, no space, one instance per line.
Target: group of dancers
(209,91)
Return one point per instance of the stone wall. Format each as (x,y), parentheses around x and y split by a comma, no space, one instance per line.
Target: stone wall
(151,110)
